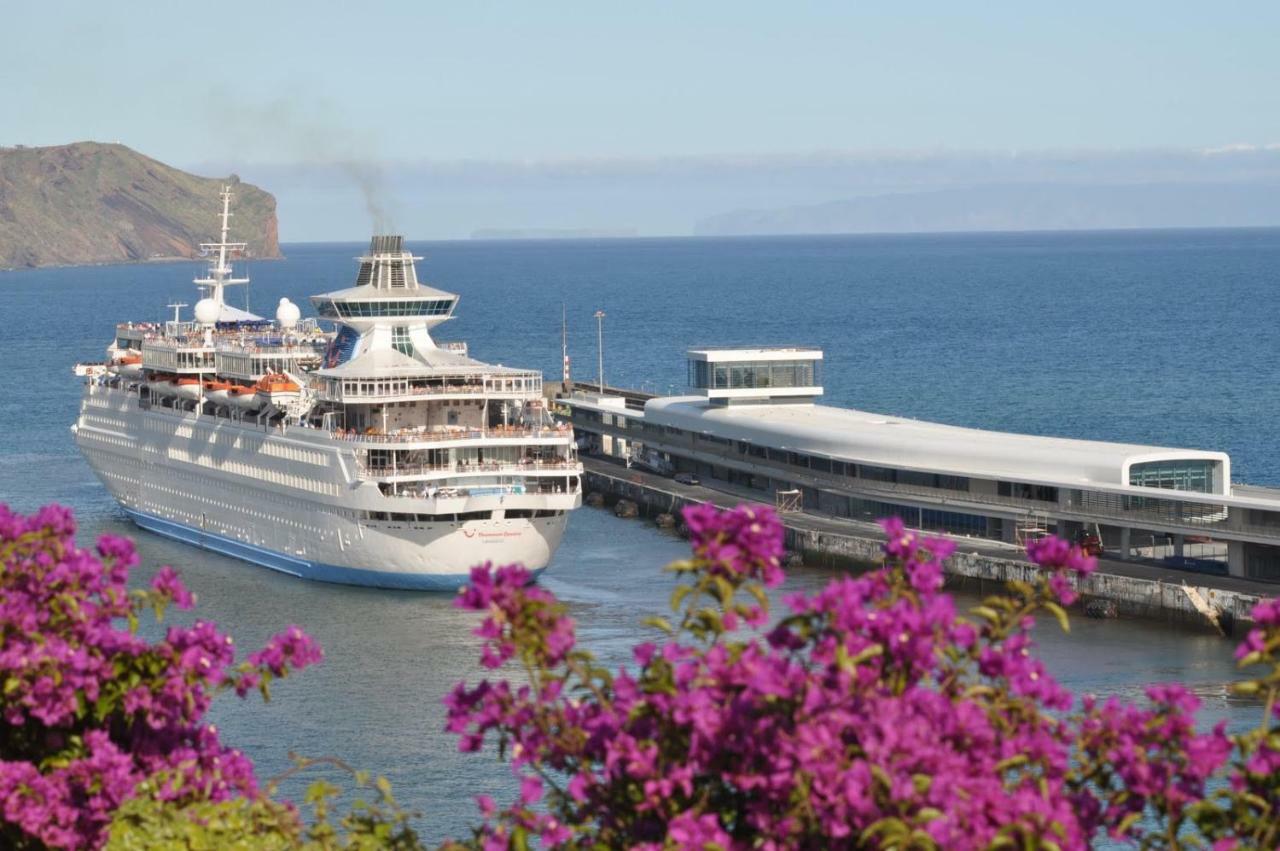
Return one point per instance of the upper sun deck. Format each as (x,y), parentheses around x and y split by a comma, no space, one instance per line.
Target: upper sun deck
(247,351)
(390,375)
(191,335)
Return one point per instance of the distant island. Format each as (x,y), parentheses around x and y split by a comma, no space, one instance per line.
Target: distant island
(554,233)
(1018,207)
(90,202)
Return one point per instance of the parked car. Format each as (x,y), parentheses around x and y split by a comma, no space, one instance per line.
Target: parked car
(686,479)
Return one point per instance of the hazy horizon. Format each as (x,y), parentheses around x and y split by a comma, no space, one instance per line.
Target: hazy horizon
(675,196)
(655,119)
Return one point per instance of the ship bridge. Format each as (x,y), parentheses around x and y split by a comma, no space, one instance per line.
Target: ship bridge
(386,292)
(383,352)
(388,311)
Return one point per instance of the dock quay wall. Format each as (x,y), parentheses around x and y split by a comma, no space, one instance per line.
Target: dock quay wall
(1131,596)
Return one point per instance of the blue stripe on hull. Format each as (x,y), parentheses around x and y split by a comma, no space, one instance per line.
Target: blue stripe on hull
(296,566)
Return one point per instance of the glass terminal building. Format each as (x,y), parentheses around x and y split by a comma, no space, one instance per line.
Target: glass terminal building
(751,424)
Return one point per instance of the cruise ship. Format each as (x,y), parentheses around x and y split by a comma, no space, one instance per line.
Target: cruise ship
(365,453)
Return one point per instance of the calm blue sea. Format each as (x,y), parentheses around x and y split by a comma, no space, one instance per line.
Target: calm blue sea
(1154,337)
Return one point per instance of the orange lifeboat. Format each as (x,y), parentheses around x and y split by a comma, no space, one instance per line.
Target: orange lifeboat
(217,392)
(130,366)
(278,390)
(161,384)
(245,398)
(189,387)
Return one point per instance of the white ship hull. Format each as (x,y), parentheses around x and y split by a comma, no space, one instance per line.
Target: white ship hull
(292,501)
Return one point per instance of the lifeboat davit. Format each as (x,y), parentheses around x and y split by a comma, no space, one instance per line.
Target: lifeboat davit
(245,398)
(189,387)
(217,392)
(278,390)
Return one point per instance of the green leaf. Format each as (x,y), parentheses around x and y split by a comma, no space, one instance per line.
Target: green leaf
(1128,822)
(661,623)
(1059,613)
(1012,762)
(886,827)
(987,613)
(724,590)
(869,652)
(678,595)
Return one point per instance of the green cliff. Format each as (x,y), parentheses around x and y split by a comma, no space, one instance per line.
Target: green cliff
(102,203)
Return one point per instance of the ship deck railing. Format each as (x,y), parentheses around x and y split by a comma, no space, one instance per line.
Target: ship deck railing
(430,492)
(381,393)
(326,390)
(415,436)
(197,337)
(388,471)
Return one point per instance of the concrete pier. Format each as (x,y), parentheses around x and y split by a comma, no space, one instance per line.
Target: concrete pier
(1135,589)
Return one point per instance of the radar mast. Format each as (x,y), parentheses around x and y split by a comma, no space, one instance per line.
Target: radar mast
(219,274)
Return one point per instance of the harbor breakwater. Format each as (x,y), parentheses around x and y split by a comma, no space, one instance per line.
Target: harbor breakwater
(1179,600)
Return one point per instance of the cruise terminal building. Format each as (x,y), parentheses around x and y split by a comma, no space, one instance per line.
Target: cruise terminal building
(752,423)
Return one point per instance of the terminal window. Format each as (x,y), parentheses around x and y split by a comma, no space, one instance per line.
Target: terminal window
(729,376)
(1188,475)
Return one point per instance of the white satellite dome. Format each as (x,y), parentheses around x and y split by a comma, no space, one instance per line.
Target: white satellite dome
(287,313)
(207,311)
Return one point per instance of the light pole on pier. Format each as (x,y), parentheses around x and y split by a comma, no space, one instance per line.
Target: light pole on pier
(600,345)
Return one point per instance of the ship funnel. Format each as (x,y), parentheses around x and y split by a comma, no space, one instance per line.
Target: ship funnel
(386,244)
(387,265)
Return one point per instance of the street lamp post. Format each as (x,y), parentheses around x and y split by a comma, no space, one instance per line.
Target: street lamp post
(600,346)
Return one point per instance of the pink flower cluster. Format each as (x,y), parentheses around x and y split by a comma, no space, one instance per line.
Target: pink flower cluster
(872,715)
(745,543)
(90,709)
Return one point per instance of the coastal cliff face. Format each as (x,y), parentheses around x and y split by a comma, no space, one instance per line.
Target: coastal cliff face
(105,203)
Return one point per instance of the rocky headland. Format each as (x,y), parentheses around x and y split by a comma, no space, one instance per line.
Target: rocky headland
(91,202)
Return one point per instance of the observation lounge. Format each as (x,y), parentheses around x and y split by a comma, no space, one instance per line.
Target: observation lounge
(751,425)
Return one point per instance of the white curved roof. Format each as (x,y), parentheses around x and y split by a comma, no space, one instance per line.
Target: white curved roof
(887,441)
(391,363)
(367,292)
(227,313)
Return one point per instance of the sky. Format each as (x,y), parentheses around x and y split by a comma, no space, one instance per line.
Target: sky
(488,89)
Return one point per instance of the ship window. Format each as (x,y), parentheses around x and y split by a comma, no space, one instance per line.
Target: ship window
(400,340)
(371,309)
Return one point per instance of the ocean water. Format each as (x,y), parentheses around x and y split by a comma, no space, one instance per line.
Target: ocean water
(1152,337)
